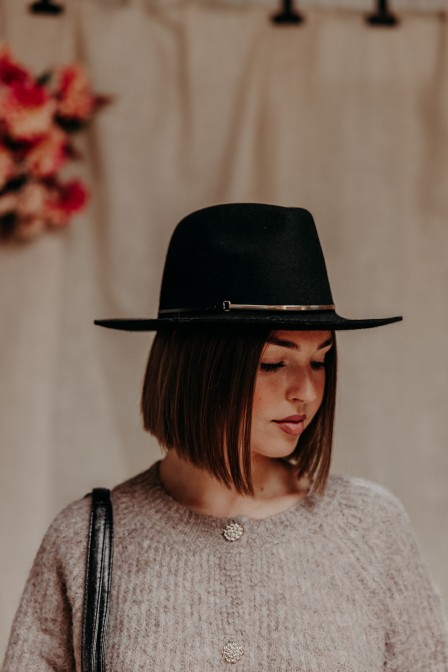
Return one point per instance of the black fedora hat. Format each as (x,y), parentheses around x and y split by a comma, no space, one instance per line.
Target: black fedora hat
(246,264)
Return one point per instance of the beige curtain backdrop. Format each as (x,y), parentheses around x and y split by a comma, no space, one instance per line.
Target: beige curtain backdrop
(215,104)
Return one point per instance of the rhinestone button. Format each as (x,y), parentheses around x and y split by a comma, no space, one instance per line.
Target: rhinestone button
(232,652)
(233,531)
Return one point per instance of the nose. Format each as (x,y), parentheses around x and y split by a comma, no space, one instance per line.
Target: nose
(302,387)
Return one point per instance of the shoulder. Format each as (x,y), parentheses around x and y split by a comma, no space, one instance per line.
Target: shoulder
(355,491)
(69,522)
(367,507)
(68,531)
(65,541)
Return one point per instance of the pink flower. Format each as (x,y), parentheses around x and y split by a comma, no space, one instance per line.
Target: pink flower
(47,155)
(66,200)
(26,110)
(7,166)
(11,72)
(75,98)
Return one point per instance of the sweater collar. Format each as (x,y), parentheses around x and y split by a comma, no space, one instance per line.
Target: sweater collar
(179,524)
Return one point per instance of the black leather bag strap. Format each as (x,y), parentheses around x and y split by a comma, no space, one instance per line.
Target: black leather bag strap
(97,582)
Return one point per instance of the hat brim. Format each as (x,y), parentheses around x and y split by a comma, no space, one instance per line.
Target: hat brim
(322,321)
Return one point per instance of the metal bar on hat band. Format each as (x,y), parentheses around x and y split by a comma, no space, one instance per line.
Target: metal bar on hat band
(228,306)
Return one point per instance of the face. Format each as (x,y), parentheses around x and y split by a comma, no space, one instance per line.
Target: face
(289,388)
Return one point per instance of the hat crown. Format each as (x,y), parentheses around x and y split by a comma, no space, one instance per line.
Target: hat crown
(246,253)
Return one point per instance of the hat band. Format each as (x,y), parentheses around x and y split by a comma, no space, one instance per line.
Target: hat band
(228,306)
(247,306)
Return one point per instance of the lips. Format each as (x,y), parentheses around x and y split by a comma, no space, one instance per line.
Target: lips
(293,424)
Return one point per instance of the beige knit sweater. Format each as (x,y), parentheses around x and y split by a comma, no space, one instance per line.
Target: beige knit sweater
(334,584)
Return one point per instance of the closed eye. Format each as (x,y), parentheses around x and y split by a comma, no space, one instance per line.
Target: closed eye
(265,366)
(317,365)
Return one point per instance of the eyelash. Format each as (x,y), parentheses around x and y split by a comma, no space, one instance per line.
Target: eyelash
(264,366)
(267,367)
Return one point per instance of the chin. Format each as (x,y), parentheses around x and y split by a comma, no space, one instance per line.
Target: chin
(278,452)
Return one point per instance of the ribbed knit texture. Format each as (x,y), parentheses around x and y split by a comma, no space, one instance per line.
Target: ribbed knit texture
(335,583)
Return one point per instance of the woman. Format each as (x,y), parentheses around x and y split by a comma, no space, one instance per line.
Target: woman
(239,547)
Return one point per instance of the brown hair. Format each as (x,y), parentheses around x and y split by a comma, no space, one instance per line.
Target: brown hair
(197,398)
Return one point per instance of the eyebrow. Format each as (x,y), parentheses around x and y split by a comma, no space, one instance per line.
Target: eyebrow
(293,346)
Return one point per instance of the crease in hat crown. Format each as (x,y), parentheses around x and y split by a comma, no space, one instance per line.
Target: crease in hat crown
(246,263)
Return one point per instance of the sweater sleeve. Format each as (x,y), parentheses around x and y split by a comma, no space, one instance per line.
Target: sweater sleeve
(42,633)
(417,626)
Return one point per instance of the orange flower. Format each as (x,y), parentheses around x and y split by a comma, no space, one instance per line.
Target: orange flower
(48,155)
(75,98)
(6,165)
(35,123)
(31,211)
(32,200)
(29,228)
(8,203)
(27,110)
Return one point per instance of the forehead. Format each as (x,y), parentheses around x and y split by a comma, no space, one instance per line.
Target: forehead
(298,340)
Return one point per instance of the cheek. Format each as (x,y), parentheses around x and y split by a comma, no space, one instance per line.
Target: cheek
(266,392)
(320,390)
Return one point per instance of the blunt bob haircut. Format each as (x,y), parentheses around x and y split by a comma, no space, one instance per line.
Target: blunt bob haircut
(197,398)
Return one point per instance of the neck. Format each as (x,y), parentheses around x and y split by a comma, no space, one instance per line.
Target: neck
(275,487)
